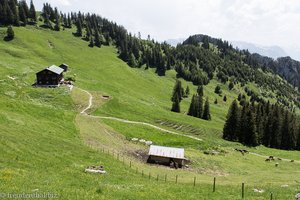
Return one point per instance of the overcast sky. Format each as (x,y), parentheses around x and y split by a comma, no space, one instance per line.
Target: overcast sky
(265,22)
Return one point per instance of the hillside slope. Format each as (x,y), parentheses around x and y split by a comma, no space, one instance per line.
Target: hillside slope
(45,144)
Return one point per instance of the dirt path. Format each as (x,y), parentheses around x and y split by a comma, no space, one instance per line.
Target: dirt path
(90,101)
(84,112)
(153,126)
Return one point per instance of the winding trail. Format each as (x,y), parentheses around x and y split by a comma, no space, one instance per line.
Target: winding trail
(84,112)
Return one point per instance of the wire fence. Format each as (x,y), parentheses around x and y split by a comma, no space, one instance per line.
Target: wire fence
(147,174)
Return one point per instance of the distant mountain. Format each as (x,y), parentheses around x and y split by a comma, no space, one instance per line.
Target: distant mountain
(270,51)
(174,42)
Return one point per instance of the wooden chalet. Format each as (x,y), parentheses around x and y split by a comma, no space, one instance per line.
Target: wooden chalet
(51,76)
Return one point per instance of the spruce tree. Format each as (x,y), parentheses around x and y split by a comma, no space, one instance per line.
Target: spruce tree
(22,14)
(79,28)
(218,90)
(32,12)
(225,98)
(132,61)
(91,42)
(10,34)
(57,21)
(176,105)
(177,90)
(232,123)
(206,112)
(187,91)
(200,90)
(205,41)
(192,109)
(97,39)
(250,130)
(288,140)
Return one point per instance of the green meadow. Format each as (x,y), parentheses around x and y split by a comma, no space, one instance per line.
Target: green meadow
(45,144)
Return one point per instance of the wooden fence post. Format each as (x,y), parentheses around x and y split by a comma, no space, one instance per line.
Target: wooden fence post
(194,181)
(176,179)
(214,185)
(157,177)
(243,190)
(271,196)
(149,175)
(142,172)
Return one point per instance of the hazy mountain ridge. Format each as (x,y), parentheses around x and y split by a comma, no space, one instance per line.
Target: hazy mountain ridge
(270,51)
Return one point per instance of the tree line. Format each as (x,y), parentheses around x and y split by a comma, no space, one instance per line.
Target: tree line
(17,13)
(267,124)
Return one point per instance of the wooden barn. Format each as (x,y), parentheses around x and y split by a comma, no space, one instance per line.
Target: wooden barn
(64,66)
(50,76)
(166,156)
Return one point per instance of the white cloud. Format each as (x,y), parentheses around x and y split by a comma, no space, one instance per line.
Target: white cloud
(268,22)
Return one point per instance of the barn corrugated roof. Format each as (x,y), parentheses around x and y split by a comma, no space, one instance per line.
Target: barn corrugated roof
(168,152)
(55,69)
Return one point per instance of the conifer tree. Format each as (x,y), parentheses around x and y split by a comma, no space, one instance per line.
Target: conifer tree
(132,61)
(32,12)
(79,28)
(192,109)
(218,90)
(205,42)
(230,131)
(15,13)
(57,21)
(97,39)
(10,34)
(69,21)
(176,104)
(22,14)
(187,91)
(287,135)
(250,130)
(92,44)
(206,112)
(200,90)
(225,98)
(177,90)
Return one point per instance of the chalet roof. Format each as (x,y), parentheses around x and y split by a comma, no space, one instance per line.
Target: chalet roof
(168,152)
(55,69)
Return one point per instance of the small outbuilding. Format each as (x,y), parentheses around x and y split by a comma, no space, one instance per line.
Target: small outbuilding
(168,156)
(50,76)
(64,66)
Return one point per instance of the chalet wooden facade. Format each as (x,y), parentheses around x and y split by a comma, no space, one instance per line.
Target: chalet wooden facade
(166,156)
(50,76)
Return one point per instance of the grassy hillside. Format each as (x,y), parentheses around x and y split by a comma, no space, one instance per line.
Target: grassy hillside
(45,144)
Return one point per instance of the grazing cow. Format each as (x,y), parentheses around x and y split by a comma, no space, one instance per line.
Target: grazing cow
(276,165)
(271,157)
(268,160)
(279,159)
(292,160)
